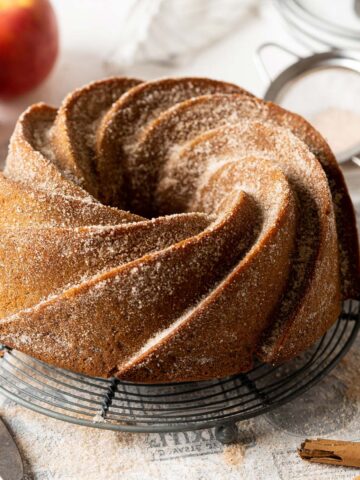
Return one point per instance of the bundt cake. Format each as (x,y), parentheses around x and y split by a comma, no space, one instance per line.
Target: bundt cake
(171,230)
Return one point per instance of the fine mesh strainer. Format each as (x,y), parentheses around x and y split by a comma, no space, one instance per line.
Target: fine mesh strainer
(324,88)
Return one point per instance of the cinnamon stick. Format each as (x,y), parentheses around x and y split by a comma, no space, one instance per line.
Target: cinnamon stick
(331,452)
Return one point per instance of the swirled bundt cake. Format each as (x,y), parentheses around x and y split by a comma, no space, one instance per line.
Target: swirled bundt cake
(170,230)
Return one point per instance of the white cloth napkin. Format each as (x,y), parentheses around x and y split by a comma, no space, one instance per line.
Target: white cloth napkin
(168,31)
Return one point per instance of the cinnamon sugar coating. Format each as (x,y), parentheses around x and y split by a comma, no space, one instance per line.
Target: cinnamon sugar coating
(171,230)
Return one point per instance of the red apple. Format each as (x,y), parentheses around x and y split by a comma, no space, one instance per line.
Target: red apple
(28,44)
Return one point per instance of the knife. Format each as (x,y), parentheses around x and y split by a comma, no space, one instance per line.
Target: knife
(11,465)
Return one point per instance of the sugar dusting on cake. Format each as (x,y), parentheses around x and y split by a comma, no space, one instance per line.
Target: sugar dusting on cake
(102,286)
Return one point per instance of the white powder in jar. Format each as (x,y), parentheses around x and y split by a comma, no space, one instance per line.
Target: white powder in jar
(330,99)
(340,127)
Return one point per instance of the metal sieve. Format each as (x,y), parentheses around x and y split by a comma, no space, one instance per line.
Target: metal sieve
(322,85)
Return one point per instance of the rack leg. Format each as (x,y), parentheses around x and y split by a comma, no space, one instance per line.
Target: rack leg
(227,433)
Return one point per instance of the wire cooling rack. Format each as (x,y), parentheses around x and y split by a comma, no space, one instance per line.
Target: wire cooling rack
(117,405)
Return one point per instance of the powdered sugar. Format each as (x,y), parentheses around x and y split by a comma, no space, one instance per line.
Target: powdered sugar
(104,288)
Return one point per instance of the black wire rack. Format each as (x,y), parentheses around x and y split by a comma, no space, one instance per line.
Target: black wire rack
(117,405)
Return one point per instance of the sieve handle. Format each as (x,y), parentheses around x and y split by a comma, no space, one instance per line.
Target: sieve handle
(261,61)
